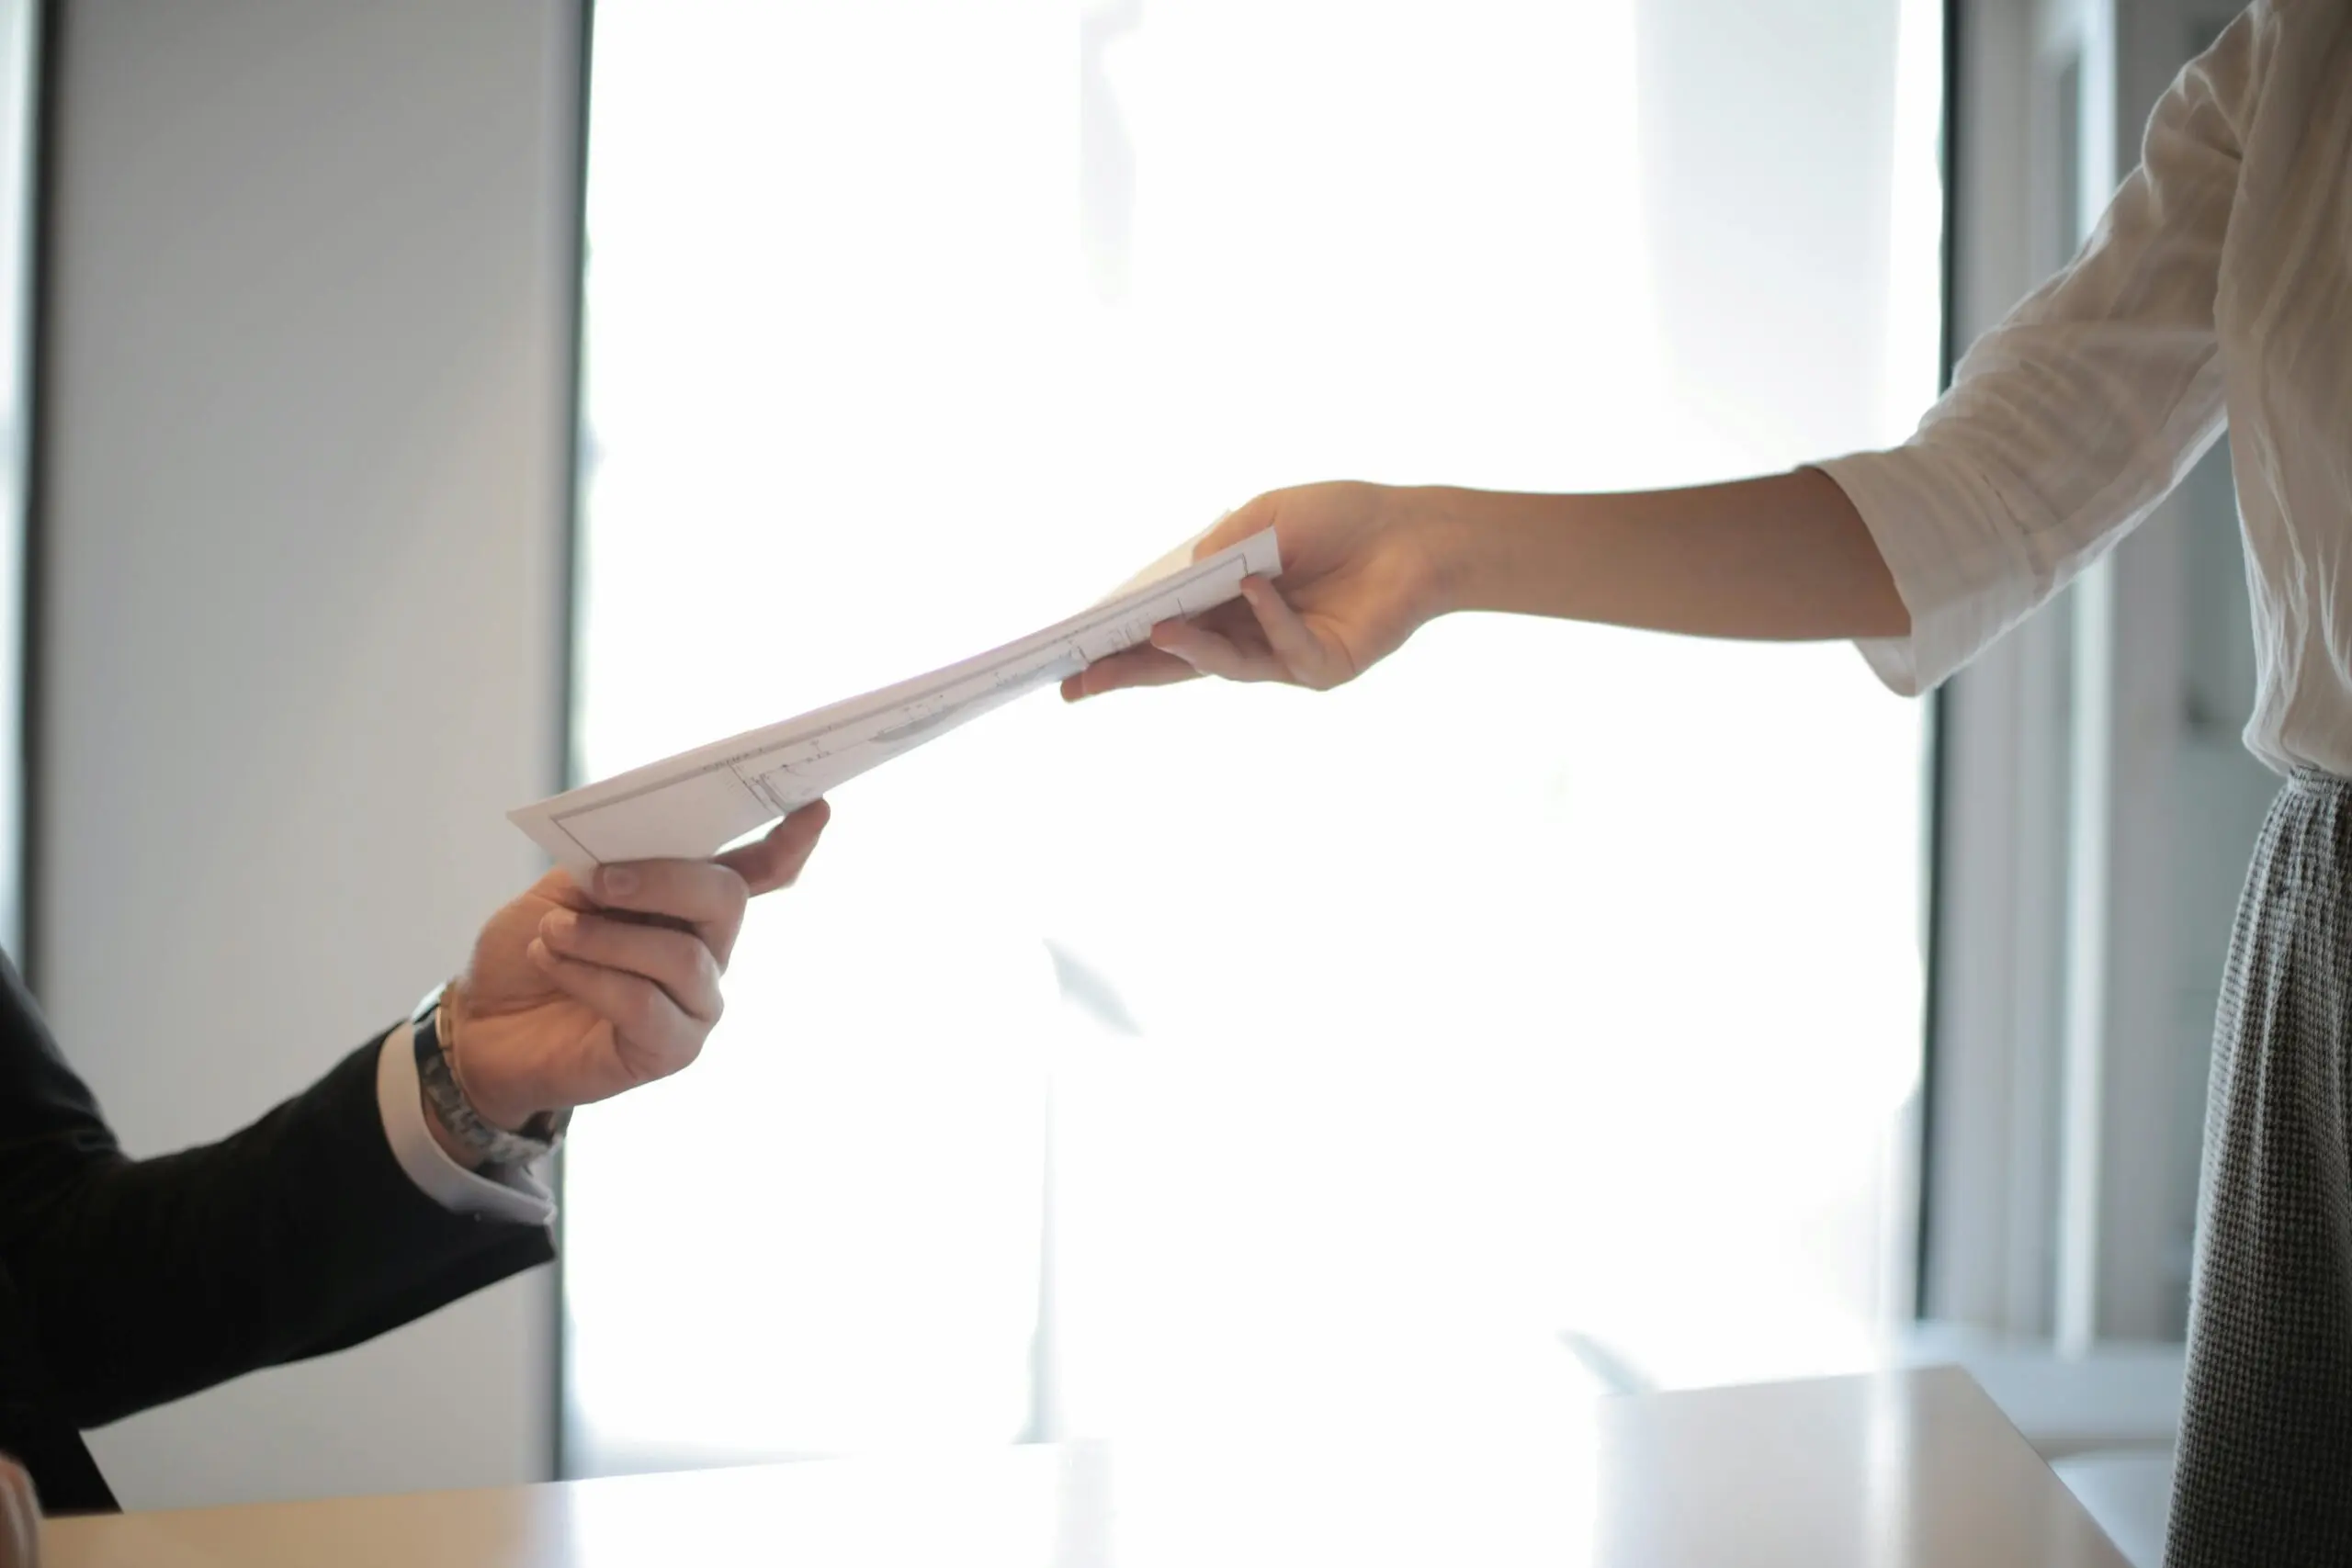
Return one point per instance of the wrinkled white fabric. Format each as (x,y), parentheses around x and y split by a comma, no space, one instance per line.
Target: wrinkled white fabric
(2217,289)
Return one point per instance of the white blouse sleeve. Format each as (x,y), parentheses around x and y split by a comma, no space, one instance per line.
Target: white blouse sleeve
(2066,423)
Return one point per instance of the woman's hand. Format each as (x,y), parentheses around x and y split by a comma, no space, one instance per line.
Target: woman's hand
(1361,574)
(1784,557)
(575,996)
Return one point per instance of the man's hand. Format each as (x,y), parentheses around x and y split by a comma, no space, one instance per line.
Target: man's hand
(19,1517)
(1360,573)
(576,995)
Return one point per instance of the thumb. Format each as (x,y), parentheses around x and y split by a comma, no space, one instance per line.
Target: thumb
(1231,528)
(1253,516)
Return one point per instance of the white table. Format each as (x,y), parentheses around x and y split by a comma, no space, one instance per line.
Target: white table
(1915,1468)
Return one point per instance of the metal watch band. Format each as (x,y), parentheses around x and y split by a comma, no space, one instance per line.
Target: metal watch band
(492,1145)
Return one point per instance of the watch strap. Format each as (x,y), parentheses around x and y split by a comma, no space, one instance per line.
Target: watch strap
(438,1078)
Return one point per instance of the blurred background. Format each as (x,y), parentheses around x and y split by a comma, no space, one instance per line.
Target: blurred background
(411,409)
(1373,1031)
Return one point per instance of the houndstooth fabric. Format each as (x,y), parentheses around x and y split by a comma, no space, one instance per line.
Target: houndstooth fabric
(2265,1468)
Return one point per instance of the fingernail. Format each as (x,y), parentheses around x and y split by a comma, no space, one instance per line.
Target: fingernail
(559,925)
(616,881)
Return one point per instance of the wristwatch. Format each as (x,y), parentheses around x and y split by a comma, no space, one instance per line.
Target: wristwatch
(493,1145)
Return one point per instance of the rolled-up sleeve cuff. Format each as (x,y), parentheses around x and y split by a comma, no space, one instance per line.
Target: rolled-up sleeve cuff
(1958,562)
(518,1196)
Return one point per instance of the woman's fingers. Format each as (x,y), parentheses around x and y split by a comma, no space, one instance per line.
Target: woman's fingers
(1265,641)
(1145,666)
(1300,651)
(677,961)
(1213,653)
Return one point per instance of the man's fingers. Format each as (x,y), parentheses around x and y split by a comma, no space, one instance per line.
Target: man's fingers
(702,894)
(1134,667)
(639,1011)
(1299,651)
(707,897)
(679,961)
(19,1517)
(776,859)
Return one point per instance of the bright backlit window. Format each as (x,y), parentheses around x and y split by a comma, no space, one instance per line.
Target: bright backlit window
(1234,1057)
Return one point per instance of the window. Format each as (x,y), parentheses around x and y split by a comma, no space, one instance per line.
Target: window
(1543,1009)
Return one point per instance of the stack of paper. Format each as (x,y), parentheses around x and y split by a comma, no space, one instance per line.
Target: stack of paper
(692,803)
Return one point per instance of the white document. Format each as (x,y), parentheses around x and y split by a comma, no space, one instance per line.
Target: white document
(691,804)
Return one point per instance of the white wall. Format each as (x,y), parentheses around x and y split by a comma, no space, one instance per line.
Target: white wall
(305,436)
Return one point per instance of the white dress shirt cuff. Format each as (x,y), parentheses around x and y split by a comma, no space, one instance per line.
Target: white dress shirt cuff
(1959,561)
(517,1196)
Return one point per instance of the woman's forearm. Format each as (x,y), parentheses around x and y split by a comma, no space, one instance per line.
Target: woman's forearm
(1781,559)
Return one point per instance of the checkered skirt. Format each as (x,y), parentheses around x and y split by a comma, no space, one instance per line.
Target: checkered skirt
(2264,1473)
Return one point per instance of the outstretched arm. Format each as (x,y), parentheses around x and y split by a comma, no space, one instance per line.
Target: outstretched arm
(1364,566)
(150,1278)
(2063,427)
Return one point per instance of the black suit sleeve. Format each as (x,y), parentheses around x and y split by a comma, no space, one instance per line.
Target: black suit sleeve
(147,1280)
